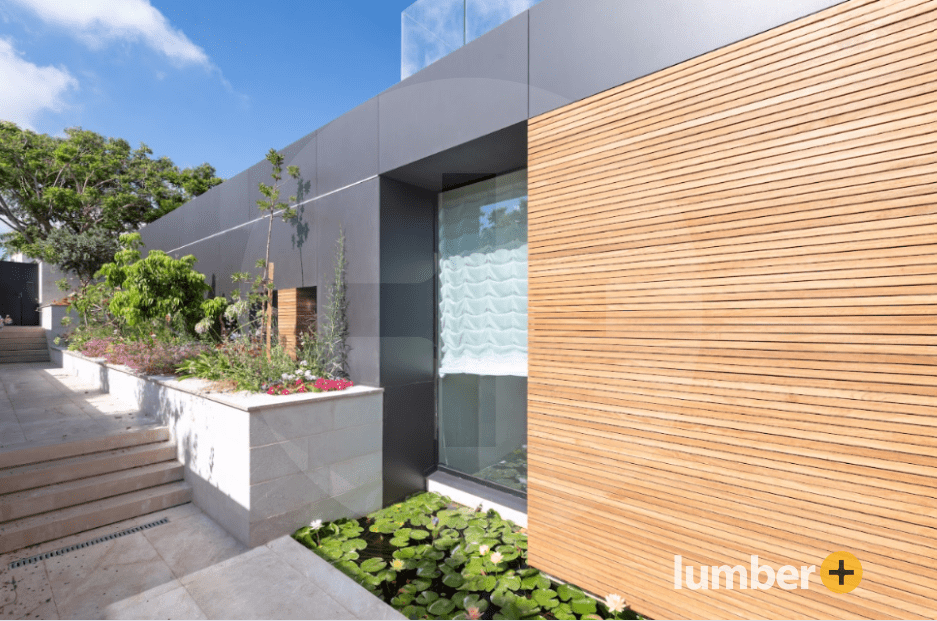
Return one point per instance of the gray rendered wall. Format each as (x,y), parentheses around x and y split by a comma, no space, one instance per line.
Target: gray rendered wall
(407,300)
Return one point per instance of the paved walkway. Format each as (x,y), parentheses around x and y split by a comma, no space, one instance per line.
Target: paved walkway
(42,404)
(187,568)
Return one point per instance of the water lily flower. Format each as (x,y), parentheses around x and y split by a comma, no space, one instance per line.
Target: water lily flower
(615,603)
(396,564)
(496,557)
(315,524)
(483,549)
(473,612)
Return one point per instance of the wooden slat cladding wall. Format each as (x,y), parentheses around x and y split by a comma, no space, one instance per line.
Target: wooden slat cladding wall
(733,342)
(296,314)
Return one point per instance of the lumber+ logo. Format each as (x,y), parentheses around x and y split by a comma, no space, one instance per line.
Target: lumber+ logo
(841,572)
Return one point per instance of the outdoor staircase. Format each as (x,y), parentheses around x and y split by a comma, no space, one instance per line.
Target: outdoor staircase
(52,491)
(23,344)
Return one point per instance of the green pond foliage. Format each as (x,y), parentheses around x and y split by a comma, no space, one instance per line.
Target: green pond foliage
(432,559)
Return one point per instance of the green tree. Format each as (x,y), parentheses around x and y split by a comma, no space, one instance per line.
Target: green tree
(271,203)
(156,287)
(62,195)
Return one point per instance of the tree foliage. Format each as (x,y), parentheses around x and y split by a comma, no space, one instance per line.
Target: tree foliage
(156,287)
(86,186)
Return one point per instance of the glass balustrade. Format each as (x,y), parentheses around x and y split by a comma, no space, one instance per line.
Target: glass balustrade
(431,29)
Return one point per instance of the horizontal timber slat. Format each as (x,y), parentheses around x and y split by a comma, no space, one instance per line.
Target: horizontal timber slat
(732,321)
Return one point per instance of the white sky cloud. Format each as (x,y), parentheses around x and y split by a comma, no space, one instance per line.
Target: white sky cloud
(26,90)
(95,22)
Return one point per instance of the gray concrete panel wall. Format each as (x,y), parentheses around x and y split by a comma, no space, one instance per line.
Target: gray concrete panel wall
(407,250)
(582,47)
(201,217)
(356,210)
(407,302)
(232,200)
(476,90)
(348,148)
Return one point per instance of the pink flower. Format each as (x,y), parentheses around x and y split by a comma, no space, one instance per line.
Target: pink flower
(473,612)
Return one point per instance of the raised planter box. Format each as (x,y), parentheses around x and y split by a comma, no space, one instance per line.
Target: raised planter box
(261,466)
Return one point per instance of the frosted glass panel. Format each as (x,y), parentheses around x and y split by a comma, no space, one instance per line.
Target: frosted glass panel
(483,278)
(482,330)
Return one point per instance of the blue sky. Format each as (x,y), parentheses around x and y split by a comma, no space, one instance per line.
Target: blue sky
(198,81)
(210,80)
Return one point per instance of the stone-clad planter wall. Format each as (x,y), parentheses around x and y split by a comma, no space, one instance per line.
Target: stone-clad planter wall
(261,466)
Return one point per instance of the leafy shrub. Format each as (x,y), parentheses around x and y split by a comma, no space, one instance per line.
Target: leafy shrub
(240,360)
(431,559)
(144,290)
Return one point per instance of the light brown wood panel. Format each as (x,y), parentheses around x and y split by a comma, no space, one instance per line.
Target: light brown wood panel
(296,315)
(733,321)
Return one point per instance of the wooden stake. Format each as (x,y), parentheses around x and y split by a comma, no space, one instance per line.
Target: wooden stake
(269,319)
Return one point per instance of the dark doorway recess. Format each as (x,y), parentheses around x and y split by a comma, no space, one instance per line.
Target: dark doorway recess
(19,292)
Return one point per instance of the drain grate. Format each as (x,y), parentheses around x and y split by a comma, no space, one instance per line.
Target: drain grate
(39,557)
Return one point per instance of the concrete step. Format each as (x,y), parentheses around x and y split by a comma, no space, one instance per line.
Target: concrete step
(19,341)
(44,473)
(25,355)
(22,345)
(119,437)
(11,332)
(35,529)
(23,504)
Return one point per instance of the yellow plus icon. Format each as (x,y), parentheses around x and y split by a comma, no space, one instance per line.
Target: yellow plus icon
(841,572)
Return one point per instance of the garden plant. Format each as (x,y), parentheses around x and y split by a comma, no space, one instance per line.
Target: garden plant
(151,314)
(432,559)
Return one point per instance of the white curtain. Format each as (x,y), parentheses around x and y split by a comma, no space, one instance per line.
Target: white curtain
(483,278)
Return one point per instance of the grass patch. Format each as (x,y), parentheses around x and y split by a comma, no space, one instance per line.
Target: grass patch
(432,559)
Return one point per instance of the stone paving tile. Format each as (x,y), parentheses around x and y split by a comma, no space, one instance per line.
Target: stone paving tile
(340,587)
(24,591)
(167,601)
(86,581)
(193,543)
(259,585)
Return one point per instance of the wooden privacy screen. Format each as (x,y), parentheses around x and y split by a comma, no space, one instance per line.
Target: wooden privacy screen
(733,287)
(296,314)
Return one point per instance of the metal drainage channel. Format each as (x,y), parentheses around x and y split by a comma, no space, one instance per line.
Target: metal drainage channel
(39,557)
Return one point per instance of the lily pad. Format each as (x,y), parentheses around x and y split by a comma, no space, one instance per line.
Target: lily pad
(373,565)
(441,607)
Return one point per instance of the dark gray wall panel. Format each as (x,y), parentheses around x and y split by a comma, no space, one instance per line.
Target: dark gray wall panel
(305,159)
(166,233)
(232,246)
(201,217)
(289,151)
(407,283)
(407,335)
(233,200)
(409,439)
(502,151)
(476,90)
(286,243)
(256,174)
(356,210)
(209,263)
(582,47)
(348,148)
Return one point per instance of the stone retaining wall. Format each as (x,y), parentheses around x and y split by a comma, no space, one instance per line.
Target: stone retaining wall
(261,466)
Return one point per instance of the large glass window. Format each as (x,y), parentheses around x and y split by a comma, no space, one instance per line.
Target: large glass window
(482,330)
